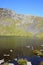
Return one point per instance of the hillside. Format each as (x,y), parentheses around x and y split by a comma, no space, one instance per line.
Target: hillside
(13,24)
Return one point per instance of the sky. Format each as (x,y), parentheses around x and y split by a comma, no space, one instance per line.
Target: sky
(31,7)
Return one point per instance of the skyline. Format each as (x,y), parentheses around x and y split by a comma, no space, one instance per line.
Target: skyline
(31,7)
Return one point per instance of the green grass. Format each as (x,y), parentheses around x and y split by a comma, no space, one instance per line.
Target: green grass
(40,35)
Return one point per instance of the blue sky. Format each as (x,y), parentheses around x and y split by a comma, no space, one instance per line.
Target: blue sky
(34,7)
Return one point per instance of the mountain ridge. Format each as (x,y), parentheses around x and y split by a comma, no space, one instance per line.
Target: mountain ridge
(15,24)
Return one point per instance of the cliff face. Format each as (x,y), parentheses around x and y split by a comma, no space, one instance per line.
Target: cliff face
(15,24)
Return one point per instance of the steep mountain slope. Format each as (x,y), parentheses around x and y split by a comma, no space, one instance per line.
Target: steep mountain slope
(15,24)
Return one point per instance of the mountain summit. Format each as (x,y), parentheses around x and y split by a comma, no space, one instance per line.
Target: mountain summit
(6,13)
(15,24)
